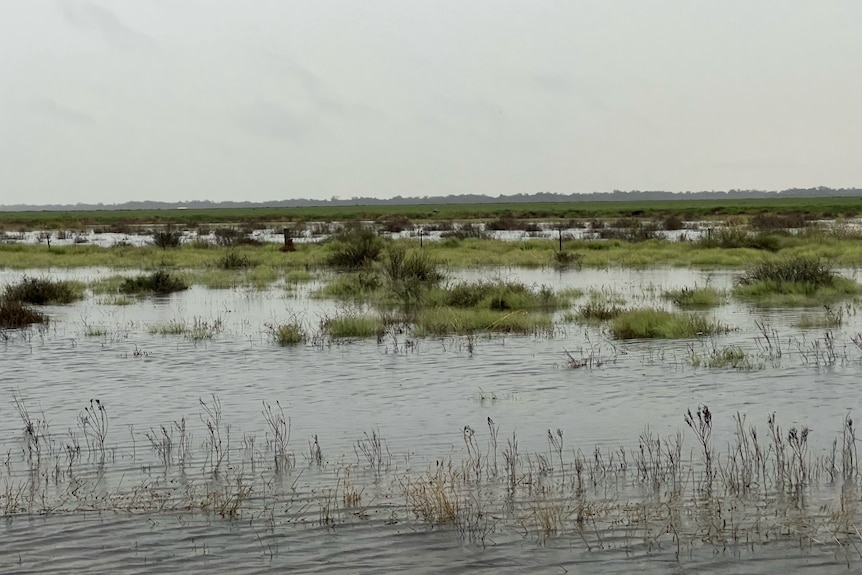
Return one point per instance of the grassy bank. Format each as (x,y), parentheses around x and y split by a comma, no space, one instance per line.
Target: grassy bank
(452,253)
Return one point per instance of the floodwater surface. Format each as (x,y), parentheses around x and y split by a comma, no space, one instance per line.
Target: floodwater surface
(399,452)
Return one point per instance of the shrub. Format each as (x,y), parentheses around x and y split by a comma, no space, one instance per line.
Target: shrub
(14,314)
(564,259)
(159,282)
(228,237)
(803,269)
(355,248)
(466,230)
(232,260)
(168,237)
(395,224)
(43,291)
(661,324)
(672,223)
(733,237)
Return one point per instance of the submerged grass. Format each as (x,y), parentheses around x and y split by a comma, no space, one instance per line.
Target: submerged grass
(660,324)
(448,321)
(688,298)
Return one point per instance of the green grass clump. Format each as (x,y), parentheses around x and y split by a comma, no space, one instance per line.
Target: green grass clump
(695,297)
(499,296)
(732,356)
(797,281)
(298,276)
(232,260)
(449,321)
(353,326)
(44,291)
(172,327)
(288,334)
(597,311)
(14,314)
(354,248)
(160,282)
(660,324)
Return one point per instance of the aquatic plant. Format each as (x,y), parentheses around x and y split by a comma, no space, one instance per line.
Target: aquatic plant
(167,237)
(695,297)
(286,334)
(160,282)
(14,314)
(657,323)
(43,291)
(800,281)
(354,248)
(232,260)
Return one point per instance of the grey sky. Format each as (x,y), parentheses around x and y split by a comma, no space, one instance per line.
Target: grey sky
(110,101)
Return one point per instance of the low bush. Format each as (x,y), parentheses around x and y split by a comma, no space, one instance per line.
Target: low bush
(160,282)
(355,248)
(232,260)
(14,314)
(168,237)
(43,291)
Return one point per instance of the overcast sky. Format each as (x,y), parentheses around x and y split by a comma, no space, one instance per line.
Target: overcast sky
(117,100)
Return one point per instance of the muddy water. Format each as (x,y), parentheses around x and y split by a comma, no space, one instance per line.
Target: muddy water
(102,512)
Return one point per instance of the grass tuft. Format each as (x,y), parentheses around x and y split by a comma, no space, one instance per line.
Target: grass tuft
(695,297)
(660,324)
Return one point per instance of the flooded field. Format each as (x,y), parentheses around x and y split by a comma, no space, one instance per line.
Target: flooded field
(129,446)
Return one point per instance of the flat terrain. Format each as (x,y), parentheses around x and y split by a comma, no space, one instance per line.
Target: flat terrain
(826,207)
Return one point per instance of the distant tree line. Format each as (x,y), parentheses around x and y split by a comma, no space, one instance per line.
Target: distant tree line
(616,195)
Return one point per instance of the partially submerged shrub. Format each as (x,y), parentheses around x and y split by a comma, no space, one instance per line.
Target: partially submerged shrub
(564,259)
(499,296)
(803,269)
(168,237)
(771,221)
(160,282)
(735,237)
(43,291)
(661,324)
(395,224)
(799,281)
(466,230)
(14,314)
(355,248)
(228,237)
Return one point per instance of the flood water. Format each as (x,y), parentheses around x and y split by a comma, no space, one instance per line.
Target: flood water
(388,415)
